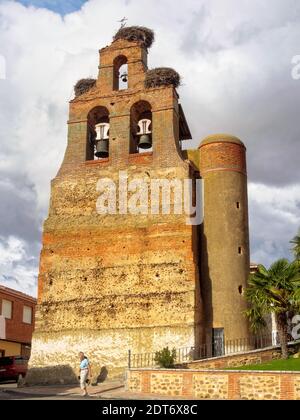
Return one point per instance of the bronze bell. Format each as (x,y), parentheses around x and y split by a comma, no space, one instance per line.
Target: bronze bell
(124,77)
(145,142)
(102,149)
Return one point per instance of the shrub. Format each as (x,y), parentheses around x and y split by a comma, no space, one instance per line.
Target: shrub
(165,358)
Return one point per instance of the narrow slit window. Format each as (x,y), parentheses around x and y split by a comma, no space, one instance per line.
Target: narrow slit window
(123,77)
(120,73)
(240,250)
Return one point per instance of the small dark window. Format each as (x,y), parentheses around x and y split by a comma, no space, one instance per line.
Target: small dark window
(238,205)
(240,250)
(241,290)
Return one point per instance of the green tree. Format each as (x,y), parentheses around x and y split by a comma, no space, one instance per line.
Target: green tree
(296,246)
(276,290)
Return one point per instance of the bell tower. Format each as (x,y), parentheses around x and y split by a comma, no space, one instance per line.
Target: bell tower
(113,282)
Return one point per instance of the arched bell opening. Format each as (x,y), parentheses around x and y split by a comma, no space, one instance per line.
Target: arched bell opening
(141,128)
(120,73)
(98,134)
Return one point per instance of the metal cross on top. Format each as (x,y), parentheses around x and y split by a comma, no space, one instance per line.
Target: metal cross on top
(123,22)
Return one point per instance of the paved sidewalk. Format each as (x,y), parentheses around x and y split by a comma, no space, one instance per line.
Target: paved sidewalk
(112,390)
(63,390)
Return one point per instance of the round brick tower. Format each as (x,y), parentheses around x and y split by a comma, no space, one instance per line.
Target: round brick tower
(225,237)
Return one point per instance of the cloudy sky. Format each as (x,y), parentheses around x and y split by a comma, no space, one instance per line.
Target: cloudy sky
(235,57)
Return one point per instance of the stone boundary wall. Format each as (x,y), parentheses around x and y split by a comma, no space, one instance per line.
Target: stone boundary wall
(253,357)
(215,385)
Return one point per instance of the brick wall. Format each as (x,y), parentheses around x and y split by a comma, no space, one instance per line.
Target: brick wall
(245,385)
(223,155)
(16,329)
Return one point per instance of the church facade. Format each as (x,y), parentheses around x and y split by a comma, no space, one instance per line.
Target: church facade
(138,280)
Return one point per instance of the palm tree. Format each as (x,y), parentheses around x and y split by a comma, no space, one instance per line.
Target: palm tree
(296,246)
(277,291)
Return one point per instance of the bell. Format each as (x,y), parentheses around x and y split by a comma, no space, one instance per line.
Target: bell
(124,77)
(145,142)
(102,150)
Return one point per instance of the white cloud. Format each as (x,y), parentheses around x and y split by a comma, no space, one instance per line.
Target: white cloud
(235,59)
(274,221)
(18,269)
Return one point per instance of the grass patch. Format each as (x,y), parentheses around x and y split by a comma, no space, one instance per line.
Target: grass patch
(291,364)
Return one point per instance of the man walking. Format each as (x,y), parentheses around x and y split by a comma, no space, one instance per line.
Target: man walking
(84,372)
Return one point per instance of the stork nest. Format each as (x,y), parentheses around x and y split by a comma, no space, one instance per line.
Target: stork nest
(83,86)
(136,33)
(162,76)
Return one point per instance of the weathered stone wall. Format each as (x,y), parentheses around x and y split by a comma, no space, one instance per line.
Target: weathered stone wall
(225,235)
(253,357)
(113,283)
(166,384)
(204,387)
(297,388)
(245,359)
(260,387)
(245,385)
(61,374)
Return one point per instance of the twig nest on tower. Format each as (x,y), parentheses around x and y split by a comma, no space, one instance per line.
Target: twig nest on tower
(136,33)
(83,86)
(162,76)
